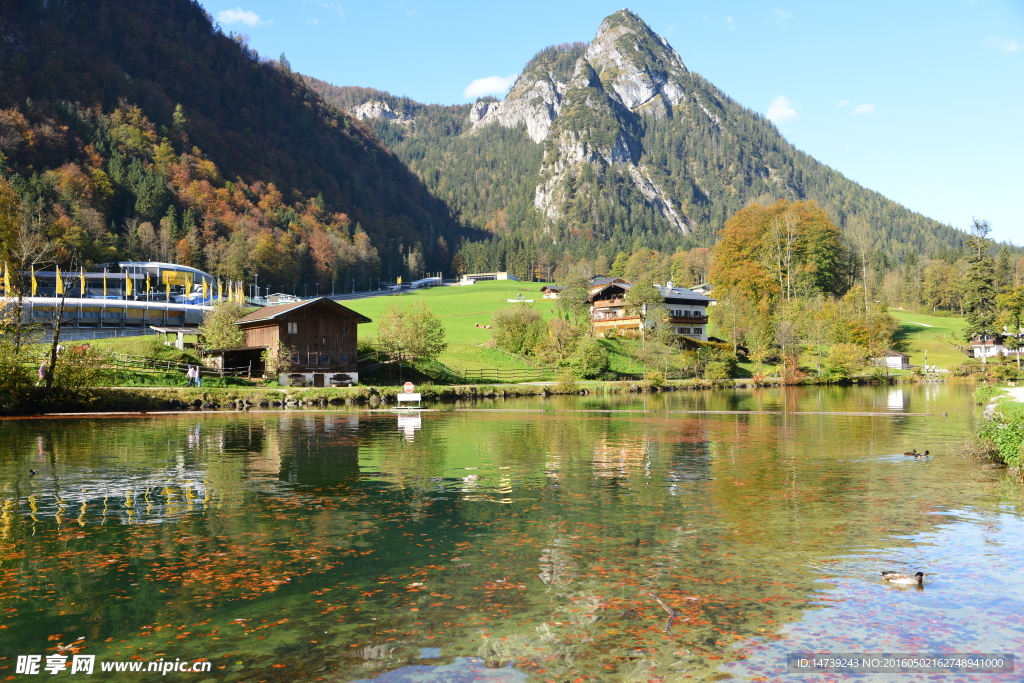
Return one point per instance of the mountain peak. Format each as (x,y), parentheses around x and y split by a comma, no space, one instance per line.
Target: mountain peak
(637,64)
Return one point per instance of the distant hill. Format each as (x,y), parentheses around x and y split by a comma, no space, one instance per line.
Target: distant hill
(68,66)
(615,146)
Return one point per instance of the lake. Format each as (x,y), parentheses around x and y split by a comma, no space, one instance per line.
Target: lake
(511,540)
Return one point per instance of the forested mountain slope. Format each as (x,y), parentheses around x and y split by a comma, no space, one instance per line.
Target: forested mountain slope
(616,146)
(127,113)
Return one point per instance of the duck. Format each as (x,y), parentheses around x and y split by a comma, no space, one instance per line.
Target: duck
(32,473)
(901,579)
(915,454)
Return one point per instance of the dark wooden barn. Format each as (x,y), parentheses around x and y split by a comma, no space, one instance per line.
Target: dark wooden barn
(320,334)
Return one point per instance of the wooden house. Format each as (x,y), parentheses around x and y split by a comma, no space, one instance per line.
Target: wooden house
(320,335)
(685,311)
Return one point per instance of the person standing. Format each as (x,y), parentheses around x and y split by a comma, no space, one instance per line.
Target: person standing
(189,376)
(197,376)
(42,374)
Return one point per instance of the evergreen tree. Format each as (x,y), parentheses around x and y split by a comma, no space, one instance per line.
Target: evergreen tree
(979,291)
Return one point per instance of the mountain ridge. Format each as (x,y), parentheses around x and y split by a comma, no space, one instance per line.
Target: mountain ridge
(648,146)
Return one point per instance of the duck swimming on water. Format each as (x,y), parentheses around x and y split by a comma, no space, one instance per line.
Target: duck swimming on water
(915,454)
(901,579)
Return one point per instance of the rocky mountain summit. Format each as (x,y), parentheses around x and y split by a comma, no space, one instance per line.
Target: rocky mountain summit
(616,140)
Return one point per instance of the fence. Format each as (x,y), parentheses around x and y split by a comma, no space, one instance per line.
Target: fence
(502,375)
(125,361)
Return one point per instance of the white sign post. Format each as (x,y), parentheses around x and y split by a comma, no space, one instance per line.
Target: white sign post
(408,396)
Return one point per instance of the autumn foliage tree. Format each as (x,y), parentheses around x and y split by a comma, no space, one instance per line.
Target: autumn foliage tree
(779,251)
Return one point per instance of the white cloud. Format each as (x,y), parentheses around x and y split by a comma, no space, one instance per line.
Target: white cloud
(781,110)
(1002,44)
(241,16)
(782,16)
(863,109)
(330,5)
(842,103)
(492,85)
(730,23)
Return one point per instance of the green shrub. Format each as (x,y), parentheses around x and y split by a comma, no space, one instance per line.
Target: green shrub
(518,329)
(656,379)
(566,383)
(717,369)
(1005,373)
(1007,433)
(985,393)
(590,359)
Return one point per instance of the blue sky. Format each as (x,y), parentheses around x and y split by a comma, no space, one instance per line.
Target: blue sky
(922,101)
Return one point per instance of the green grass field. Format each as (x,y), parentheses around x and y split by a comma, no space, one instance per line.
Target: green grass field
(935,334)
(460,310)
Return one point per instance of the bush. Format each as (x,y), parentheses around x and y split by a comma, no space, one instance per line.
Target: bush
(566,383)
(518,329)
(985,393)
(656,379)
(717,369)
(1007,433)
(590,359)
(844,359)
(1005,373)
(15,377)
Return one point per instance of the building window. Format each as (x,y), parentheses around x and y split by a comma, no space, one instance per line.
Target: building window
(325,359)
(294,358)
(696,330)
(344,359)
(684,330)
(344,328)
(293,328)
(314,358)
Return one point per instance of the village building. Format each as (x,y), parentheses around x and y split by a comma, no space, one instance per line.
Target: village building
(319,336)
(894,360)
(685,311)
(991,346)
(596,283)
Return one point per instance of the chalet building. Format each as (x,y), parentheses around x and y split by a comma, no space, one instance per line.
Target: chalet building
(320,333)
(685,310)
(596,283)
(991,345)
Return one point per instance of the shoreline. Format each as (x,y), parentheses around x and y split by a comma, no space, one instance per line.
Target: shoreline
(144,401)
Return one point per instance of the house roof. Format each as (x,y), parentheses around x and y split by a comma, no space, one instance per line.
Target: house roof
(596,291)
(277,310)
(683,293)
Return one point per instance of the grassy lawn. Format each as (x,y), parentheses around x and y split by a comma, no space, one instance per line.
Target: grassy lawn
(149,345)
(460,310)
(934,334)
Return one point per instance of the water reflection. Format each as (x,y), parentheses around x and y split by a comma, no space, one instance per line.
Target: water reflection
(522,546)
(408,424)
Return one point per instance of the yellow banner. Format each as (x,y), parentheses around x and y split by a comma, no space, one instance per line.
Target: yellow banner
(127,284)
(81,280)
(35,285)
(60,283)
(171,277)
